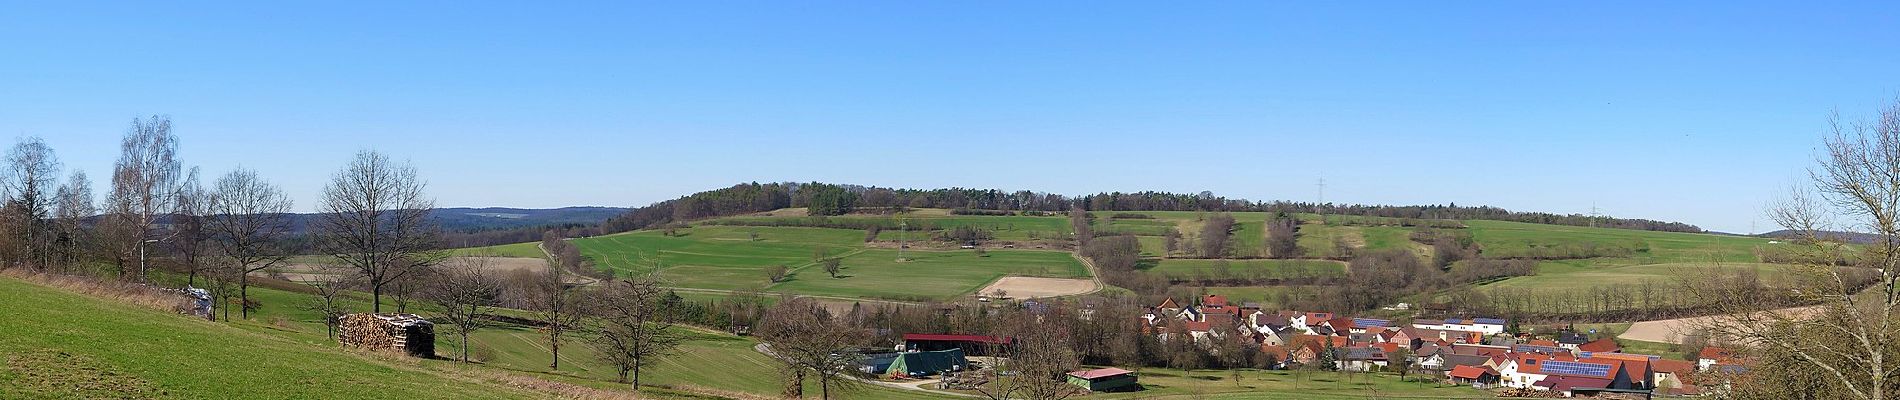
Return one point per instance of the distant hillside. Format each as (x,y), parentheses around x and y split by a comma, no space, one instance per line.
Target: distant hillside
(491,218)
(464,219)
(1848,237)
(835,199)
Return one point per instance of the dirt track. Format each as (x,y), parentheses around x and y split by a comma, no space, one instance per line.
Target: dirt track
(1028,287)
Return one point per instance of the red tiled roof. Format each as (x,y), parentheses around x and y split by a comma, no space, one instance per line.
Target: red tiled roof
(1340,324)
(1197,326)
(1470,372)
(1214,300)
(1716,353)
(1315,318)
(1605,345)
(1678,367)
(1387,346)
(1338,341)
(1278,352)
(1099,373)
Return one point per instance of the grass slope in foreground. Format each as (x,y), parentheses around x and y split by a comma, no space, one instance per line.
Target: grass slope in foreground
(57,344)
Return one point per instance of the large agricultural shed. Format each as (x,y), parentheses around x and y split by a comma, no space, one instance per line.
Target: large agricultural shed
(407,333)
(1103,380)
(918,364)
(970,344)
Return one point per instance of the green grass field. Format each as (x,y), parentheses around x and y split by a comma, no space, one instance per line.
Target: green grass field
(58,344)
(929,275)
(730,258)
(1270,268)
(705,361)
(1667,255)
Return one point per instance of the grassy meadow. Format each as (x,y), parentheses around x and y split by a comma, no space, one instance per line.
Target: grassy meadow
(58,344)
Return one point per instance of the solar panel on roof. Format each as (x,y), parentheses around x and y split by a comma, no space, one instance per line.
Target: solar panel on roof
(1492,321)
(1368,322)
(1577,368)
(1453,321)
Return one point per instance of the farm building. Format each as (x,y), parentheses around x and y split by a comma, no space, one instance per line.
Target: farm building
(926,363)
(1103,380)
(970,344)
(402,332)
(1466,374)
(877,363)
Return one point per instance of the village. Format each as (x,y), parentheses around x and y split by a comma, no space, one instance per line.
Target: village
(1483,353)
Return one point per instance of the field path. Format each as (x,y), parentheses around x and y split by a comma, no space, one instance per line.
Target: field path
(1095,274)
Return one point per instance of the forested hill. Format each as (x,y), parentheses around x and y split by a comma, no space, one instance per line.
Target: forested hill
(492,218)
(835,199)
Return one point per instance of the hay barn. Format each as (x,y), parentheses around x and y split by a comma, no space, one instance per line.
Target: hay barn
(407,333)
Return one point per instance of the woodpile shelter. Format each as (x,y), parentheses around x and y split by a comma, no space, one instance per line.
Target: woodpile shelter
(407,333)
(1104,380)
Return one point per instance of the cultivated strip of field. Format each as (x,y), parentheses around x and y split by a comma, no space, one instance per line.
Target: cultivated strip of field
(1024,287)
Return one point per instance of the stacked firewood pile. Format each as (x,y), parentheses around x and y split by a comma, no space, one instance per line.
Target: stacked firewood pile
(1534,393)
(407,333)
(968,380)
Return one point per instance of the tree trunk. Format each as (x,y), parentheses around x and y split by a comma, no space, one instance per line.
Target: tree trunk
(244,293)
(376,298)
(636,373)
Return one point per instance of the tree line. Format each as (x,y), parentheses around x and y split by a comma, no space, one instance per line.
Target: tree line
(836,199)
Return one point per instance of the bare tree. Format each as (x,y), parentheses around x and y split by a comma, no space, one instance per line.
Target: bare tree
(1283,236)
(375,219)
(1171,243)
(144,182)
(775,273)
(633,327)
(327,300)
(1215,234)
(72,204)
(833,265)
(1039,356)
(190,237)
(249,219)
(558,306)
(803,336)
(1852,339)
(463,287)
(1079,224)
(30,172)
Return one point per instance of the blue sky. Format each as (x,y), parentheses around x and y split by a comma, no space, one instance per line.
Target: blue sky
(1701,113)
